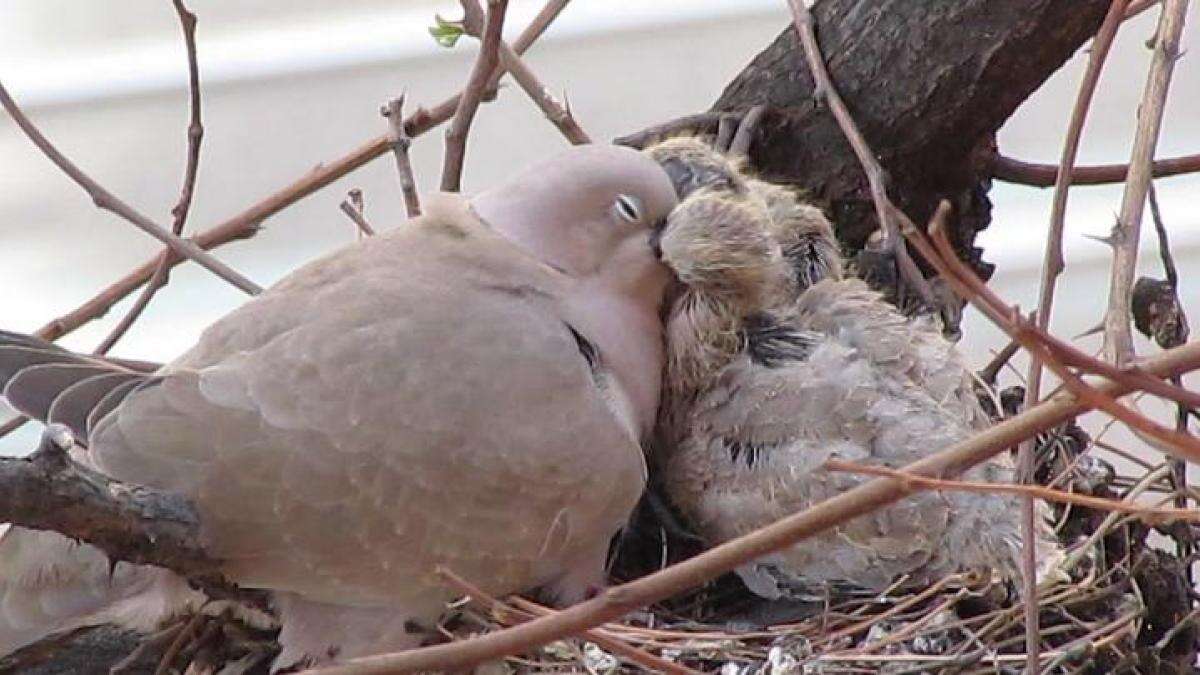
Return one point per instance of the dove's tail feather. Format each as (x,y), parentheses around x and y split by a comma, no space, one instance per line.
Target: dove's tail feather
(48,383)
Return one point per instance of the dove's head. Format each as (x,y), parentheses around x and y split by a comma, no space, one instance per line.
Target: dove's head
(693,164)
(804,234)
(585,210)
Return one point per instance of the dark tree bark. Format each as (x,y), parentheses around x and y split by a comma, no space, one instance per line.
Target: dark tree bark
(928,83)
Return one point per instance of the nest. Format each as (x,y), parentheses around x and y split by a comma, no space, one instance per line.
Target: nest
(1129,606)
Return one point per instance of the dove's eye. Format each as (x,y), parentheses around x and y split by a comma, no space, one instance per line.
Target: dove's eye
(628,208)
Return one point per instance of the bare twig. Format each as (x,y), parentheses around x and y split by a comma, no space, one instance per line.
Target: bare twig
(485,63)
(109,202)
(1151,515)
(1032,174)
(400,141)
(352,206)
(528,610)
(858,501)
(991,371)
(245,224)
(1118,339)
(179,212)
(891,242)
(1052,267)
(700,123)
(1138,6)
(558,113)
(12,425)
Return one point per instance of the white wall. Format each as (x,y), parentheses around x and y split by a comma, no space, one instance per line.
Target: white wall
(290,84)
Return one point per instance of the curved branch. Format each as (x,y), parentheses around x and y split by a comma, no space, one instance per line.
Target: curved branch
(1011,170)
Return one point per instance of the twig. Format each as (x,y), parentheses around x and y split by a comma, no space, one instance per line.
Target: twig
(1052,267)
(700,123)
(1153,516)
(352,206)
(991,371)
(179,212)
(12,425)
(1080,550)
(558,113)
(245,224)
(393,110)
(855,502)
(1138,6)
(603,639)
(891,242)
(1118,338)
(109,202)
(172,650)
(1033,174)
(468,103)
(1056,354)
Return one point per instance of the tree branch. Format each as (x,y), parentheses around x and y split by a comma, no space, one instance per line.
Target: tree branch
(1118,339)
(1012,170)
(109,202)
(393,111)
(468,103)
(47,491)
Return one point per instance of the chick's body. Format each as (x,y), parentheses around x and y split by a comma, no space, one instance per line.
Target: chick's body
(778,367)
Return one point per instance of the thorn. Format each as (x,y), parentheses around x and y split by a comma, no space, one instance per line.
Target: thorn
(1098,328)
(1108,240)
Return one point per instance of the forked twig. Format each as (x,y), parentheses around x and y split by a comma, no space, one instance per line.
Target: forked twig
(468,103)
(393,111)
(352,206)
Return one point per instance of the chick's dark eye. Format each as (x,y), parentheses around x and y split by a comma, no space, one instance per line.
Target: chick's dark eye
(628,208)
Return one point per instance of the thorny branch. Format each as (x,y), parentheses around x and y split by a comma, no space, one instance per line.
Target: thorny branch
(468,103)
(245,224)
(1118,340)
(400,141)
(179,213)
(892,242)
(109,202)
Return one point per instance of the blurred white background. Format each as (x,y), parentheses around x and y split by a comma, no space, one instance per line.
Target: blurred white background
(288,85)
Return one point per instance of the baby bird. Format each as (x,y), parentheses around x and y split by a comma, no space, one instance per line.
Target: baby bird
(776,364)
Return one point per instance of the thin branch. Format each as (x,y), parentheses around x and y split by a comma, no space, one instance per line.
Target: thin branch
(991,371)
(1052,267)
(1118,338)
(1164,245)
(891,241)
(109,202)
(1150,515)
(245,224)
(855,502)
(400,142)
(1138,6)
(1012,170)
(352,206)
(601,638)
(558,113)
(179,212)
(698,124)
(12,425)
(485,63)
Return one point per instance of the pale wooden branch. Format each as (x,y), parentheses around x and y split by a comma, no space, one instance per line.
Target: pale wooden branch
(245,224)
(891,242)
(858,501)
(528,610)
(468,103)
(558,113)
(179,212)
(109,202)
(1148,514)
(400,141)
(352,206)
(1052,267)
(1118,337)
(1012,170)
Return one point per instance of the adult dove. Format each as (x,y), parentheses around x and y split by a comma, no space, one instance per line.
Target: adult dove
(468,390)
(776,364)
